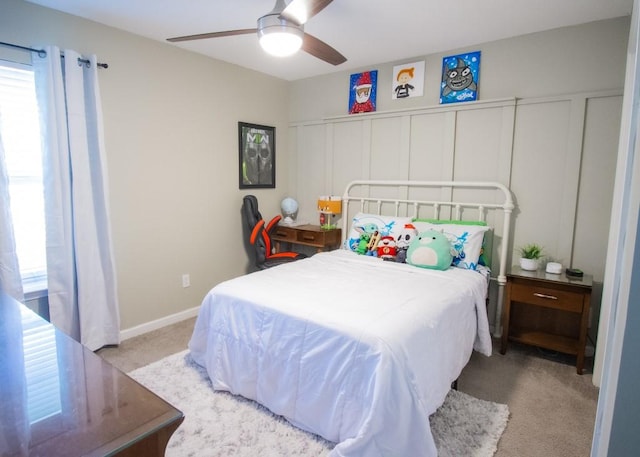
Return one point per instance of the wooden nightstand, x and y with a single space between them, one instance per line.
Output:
548 311
307 235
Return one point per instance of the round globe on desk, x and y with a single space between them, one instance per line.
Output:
289 209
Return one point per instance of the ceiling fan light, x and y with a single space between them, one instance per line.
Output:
279 37
280 44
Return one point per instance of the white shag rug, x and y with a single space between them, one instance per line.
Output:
221 424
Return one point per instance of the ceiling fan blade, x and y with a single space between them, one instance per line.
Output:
300 11
202 36
322 50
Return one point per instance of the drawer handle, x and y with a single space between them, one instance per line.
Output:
281 233
550 297
308 237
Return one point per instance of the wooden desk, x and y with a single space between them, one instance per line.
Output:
307 235
548 311
57 398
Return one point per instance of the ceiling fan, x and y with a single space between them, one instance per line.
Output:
286 23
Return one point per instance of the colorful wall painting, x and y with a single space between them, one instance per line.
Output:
460 76
408 80
362 92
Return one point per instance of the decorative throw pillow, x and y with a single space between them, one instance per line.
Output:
465 239
364 223
430 249
485 251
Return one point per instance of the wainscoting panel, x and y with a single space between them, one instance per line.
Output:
557 155
351 155
477 145
310 159
602 127
387 154
431 146
539 176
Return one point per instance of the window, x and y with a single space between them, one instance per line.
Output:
20 134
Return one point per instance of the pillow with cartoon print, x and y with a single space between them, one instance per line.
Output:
430 249
365 226
465 239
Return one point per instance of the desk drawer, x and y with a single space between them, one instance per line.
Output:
311 237
283 234
547 297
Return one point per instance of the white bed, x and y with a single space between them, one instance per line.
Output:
352 348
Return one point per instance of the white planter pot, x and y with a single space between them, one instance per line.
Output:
529 264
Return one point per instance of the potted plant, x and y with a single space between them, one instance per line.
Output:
530 255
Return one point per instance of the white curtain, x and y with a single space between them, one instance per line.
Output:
10 280
80 269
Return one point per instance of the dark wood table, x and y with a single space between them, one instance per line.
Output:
547 310
307 235
58 398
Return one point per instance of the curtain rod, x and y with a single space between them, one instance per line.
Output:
42 53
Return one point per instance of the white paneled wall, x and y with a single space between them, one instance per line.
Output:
557 155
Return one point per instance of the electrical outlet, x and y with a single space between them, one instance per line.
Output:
186 281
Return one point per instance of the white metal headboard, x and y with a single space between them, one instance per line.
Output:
402 205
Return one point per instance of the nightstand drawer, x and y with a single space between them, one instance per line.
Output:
547 297
284 234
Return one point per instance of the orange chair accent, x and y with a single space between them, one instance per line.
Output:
260 236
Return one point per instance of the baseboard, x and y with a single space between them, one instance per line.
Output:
158 323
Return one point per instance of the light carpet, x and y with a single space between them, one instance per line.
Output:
221 424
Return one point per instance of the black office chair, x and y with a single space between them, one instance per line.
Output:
260 236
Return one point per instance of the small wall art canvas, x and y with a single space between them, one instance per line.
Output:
408 80
460 76
257 156
362 92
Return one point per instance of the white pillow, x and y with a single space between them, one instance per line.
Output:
385 225
465 239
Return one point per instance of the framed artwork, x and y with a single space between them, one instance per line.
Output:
460 76
408 80
257 155
362 92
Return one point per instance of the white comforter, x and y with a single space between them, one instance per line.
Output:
355 349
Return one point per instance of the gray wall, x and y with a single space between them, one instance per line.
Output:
170 119
546 125
585 58
170 122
